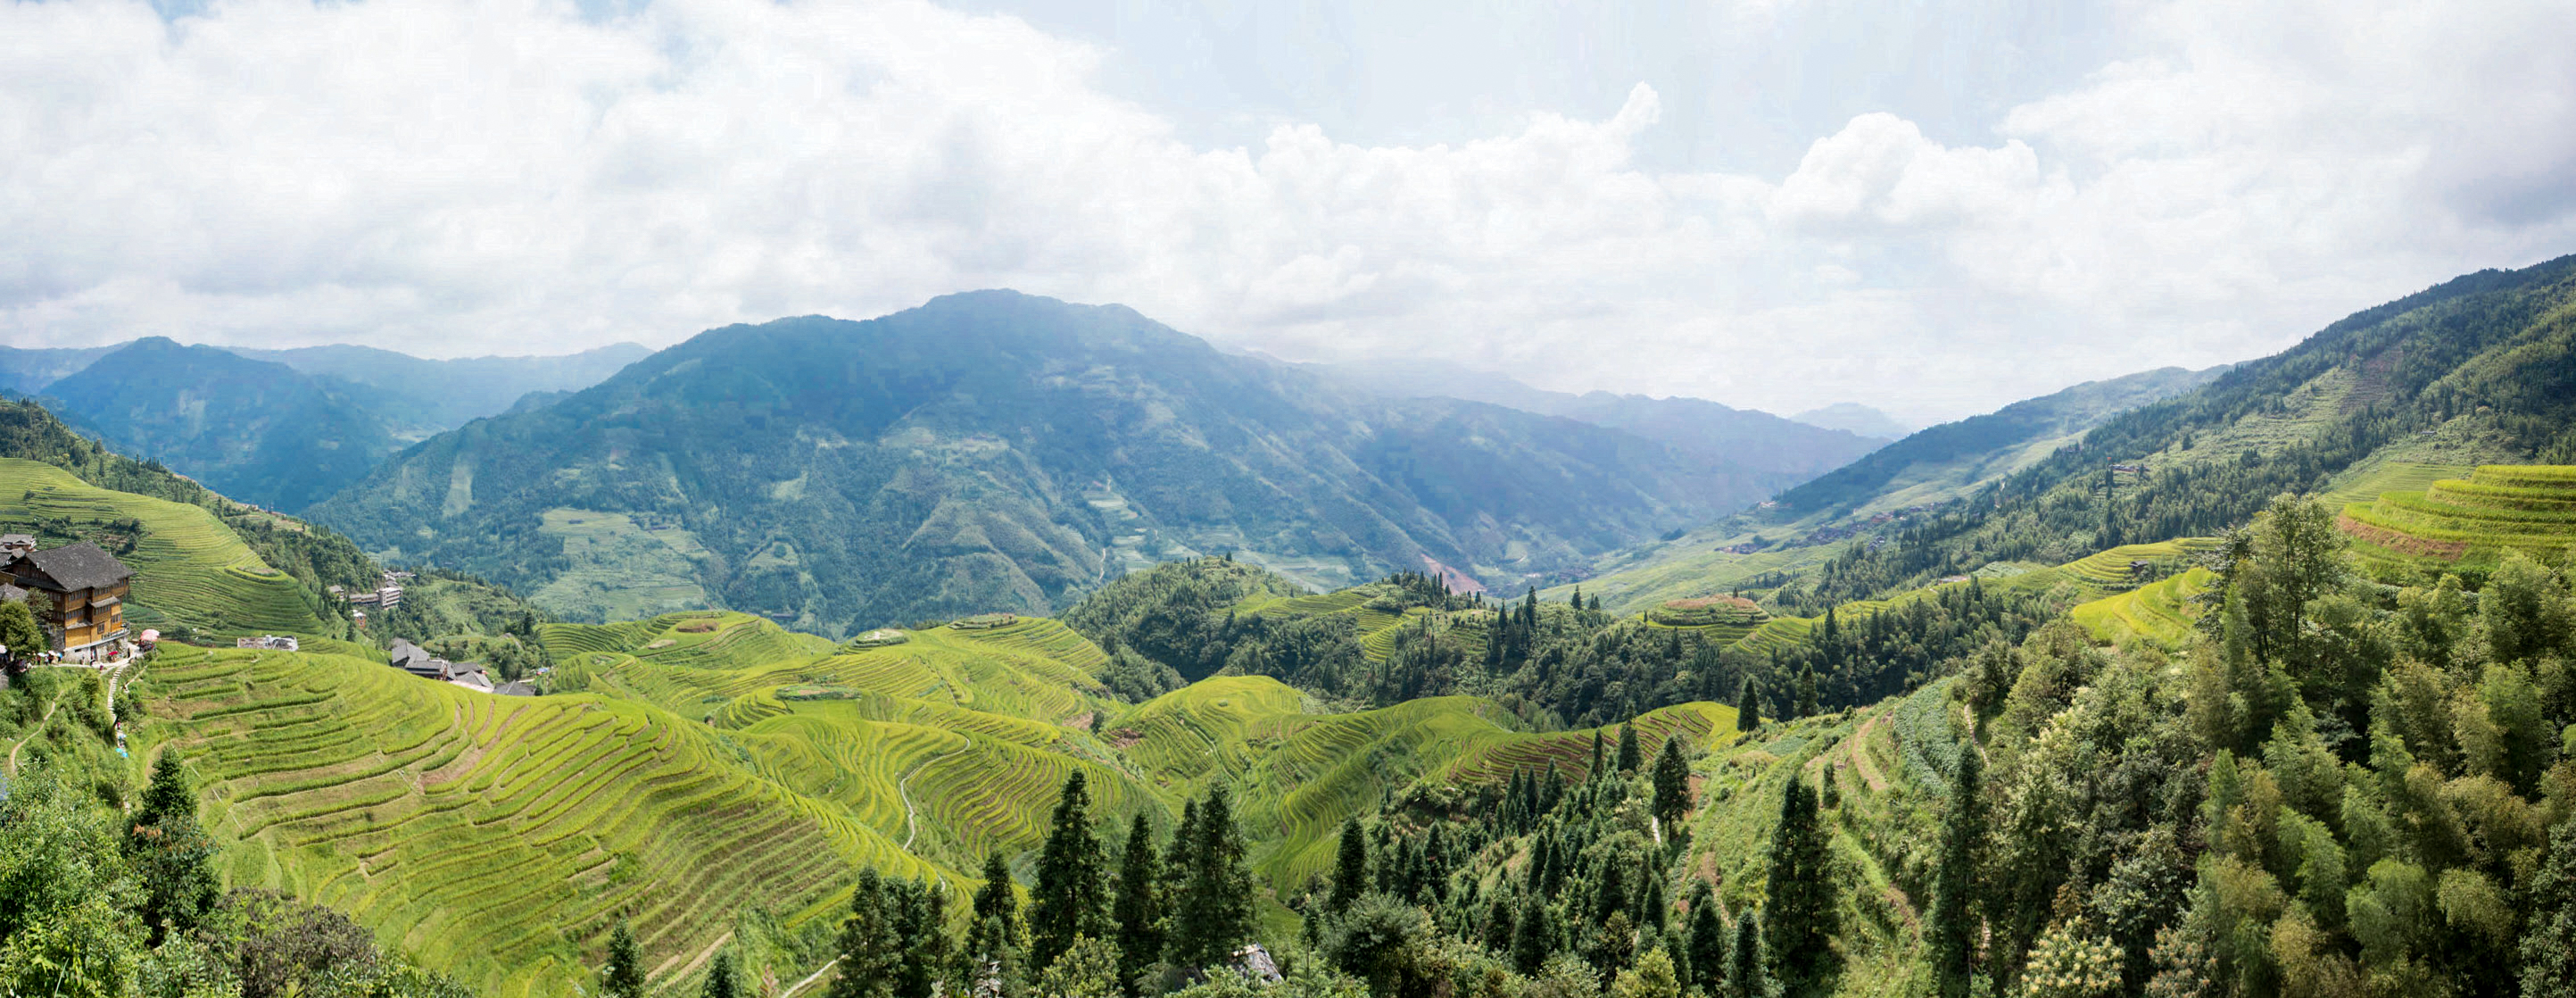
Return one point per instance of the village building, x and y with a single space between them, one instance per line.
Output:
13 545
86 587
269 641
418 661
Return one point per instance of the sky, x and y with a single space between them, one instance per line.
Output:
1933 209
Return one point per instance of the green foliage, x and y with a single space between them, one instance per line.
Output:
623 977
1213 914
1072 896
1801 899
1139 910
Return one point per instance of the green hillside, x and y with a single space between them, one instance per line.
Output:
2470 522
190 569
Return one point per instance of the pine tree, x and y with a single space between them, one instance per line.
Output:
1748 707
170 853
1672 782
1747 974
2549 936
1140 905
1799 914
623 977
1706 946
1807 692
722 980
921 933
1629 756
1350 867
871 953
1595 773
1216 914
1953 934
1534 938
1072 896
995 936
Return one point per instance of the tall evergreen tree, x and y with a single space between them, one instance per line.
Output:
1963 830
1807 706
921 930
995 936
1799 915
1072 897
172 856
1140 905
871 949
623 977
1216 912
1748 975
1630 757
1595 773
1748 707
1534 937
1706 940
1350 867
1672 782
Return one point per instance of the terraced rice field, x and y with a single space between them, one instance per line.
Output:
495 838
2108 571
189 567
2160 612
2471 521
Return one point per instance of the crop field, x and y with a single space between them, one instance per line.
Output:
495 838
2108 571
189 567
2473 521
2159 612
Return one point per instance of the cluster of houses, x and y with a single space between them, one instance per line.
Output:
84 589
414 659
387 595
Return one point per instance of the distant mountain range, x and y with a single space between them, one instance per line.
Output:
996 451
1857 418
1749 439
282 428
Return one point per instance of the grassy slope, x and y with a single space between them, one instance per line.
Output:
2471 521
497 838
189 567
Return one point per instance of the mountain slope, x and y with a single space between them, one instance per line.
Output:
1763 447
261 432
27 370
425 396
1857 418
997 451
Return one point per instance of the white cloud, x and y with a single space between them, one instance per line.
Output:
464 176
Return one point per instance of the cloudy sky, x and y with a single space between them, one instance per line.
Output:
1930 208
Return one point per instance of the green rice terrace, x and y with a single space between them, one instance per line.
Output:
189 567
696 764
2469 522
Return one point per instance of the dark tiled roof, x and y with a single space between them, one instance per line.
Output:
10 593
403 653
80 566
515 688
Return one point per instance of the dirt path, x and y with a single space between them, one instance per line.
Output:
39 727
809 979
1860 755
691 967
903 789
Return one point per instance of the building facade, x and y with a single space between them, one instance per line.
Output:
86 589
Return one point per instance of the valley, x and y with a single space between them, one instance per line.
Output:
2254 675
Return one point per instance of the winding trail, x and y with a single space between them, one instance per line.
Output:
809 979
903 789
33 731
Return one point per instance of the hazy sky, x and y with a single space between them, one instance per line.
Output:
1930 208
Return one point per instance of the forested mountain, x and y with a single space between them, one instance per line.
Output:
1938 462
419 396
260 431
1756 445
1857 418
25 370
995 451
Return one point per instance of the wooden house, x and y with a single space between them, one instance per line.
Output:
86 587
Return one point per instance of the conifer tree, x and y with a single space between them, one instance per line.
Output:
1630 757
1350 867
1706 941
921 931
1534 937
1748 975
1672 782
871 952
623 977
1216 912
1180 858
170 853
1798 914
1072 896
994 937
1140 905
1499 922
1748 707
1595 772
722 980
1807 706
1953 935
